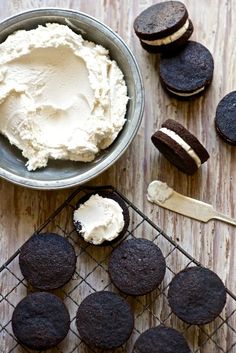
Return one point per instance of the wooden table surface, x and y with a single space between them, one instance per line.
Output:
213 244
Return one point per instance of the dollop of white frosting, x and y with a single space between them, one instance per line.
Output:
61 97
101 219
158 191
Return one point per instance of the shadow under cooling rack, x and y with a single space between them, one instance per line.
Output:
91 275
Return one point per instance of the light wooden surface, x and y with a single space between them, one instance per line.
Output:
213 244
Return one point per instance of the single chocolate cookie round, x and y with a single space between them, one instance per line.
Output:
225 120
95 227
137 266
163 27
161 339
180 146
47 261
104 320
40 321
197 295
188 72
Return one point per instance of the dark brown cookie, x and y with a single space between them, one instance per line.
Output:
188 137
104 320
110 195
163 27
225 120
47 261
161 339
197 295
180 147
171 47
40 321
137 266
187 72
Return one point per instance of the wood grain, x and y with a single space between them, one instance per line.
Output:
213 244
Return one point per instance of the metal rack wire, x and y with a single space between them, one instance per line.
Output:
92 275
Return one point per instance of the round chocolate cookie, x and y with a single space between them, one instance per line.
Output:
47 261
98 227
104 320
225 120
197 295
163 27
188 72
137 266
161 339
180 147
40 321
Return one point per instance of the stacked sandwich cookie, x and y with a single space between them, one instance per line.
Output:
163 27
186 67
180 147
225 119
188 72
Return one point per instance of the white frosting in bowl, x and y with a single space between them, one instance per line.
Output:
101 219
61 97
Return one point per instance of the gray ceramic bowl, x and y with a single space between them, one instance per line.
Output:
62 174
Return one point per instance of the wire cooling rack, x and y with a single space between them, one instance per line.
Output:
91 275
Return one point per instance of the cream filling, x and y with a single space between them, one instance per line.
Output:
183 144
186 94
61 97
101 219
158 191
169 39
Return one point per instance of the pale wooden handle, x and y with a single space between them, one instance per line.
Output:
224 218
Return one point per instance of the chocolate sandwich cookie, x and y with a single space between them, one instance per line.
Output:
180 147
197 295
163 27
104 320
47 261
101 217
137 266
161 339
40 321
188 72
225 120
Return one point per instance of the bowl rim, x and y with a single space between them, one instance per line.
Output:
118 152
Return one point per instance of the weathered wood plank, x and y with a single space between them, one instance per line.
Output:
213 244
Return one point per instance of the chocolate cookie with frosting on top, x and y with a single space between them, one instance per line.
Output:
225 119
101 217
